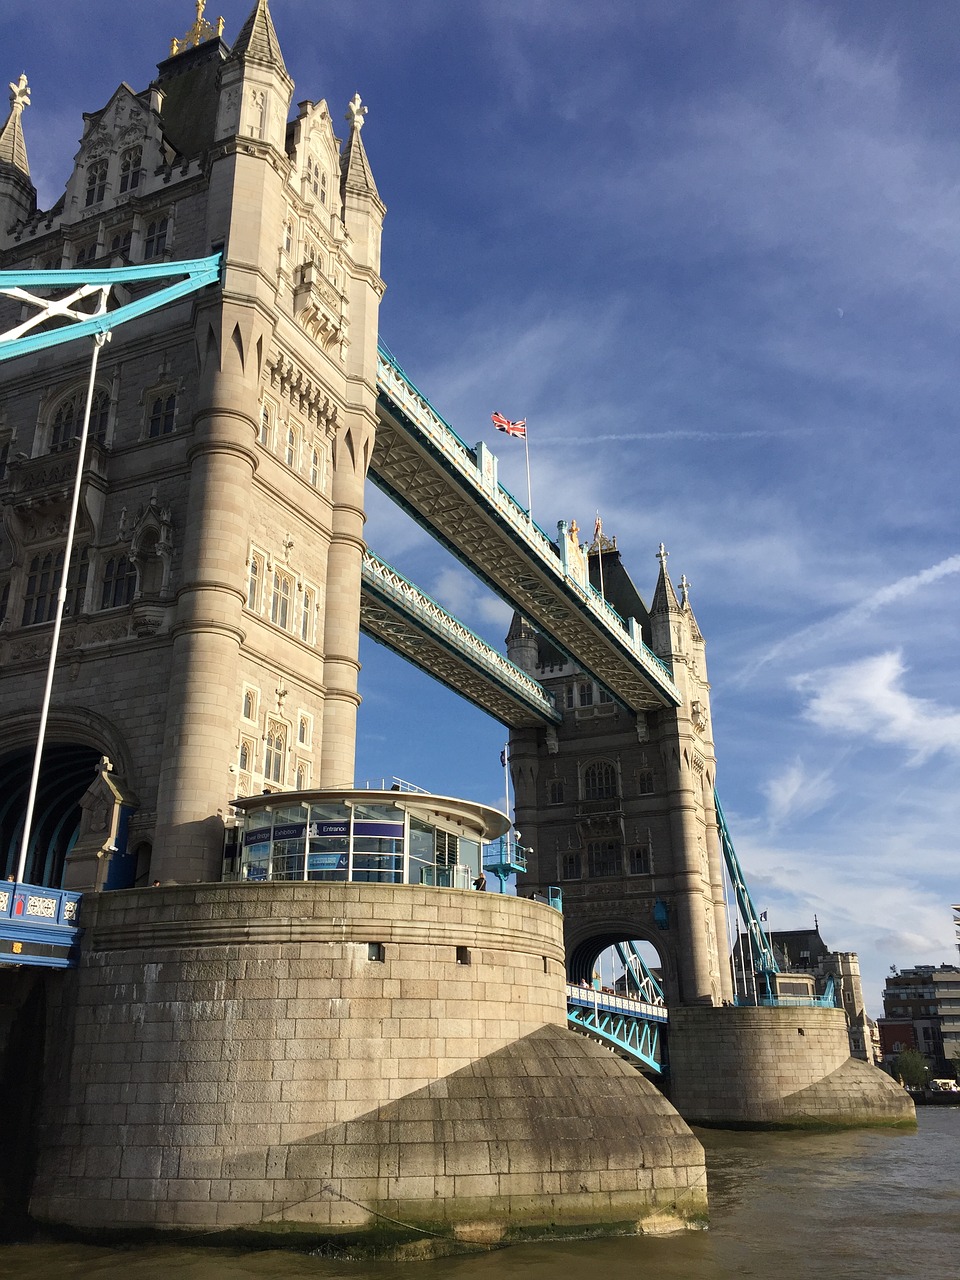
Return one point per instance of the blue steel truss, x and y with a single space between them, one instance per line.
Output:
638 979
764 961
632 1027
196 273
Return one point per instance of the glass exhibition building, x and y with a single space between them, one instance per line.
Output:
387 837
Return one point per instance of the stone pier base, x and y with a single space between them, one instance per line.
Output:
343 1059
787 1068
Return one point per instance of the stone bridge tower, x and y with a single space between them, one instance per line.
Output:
210 646
617 807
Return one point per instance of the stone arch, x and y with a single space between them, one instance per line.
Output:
587 940
76 740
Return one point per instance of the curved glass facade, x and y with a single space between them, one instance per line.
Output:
355 839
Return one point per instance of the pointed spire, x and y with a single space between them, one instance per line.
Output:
664 597
13 149
257 41
355 172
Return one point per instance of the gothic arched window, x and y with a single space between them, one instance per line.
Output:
130 171
280 600
43 583
163 411
68 420
155 240
274 752
96 182
600 781
119 582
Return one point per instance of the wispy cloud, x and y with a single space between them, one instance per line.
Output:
830 628
866 700
795 792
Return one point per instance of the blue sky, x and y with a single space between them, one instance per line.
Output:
710 251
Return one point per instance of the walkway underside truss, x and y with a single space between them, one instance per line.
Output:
398 615
421 463
634 1032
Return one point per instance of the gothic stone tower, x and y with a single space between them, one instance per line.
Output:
617 807
210 644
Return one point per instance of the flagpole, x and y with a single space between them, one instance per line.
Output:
98 342
526 450
598 532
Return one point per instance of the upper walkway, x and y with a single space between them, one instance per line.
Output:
399 615
453 491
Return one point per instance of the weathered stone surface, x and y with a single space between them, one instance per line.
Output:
365 1087
792 1067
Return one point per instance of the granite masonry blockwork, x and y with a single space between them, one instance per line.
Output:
260 1056
779 1067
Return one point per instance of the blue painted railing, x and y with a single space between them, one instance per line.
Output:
38 926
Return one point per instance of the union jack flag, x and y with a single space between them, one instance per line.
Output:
511 428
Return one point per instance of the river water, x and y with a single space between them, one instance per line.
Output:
869 1205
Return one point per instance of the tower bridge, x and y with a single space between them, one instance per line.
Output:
339 978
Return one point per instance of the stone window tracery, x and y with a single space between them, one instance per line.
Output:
163 410
600 781
274 751
155 240
604 858
570 866
306 615
119 582
255 582
68 420
43 583
290 452
130 171
280 599
267 419
96 182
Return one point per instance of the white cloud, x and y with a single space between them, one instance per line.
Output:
794 793
866 699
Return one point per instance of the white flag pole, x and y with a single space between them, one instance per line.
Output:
598 531
526 450
98 342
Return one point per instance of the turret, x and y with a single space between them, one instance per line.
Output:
18 195
667 619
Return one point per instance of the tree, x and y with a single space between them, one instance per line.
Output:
910 1067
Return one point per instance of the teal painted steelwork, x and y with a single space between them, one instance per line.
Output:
763 959
630 1026
505 858
762 955
199 273
637 976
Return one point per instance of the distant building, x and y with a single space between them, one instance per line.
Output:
804 951
921 1009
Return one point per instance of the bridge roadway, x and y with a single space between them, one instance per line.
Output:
453 491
